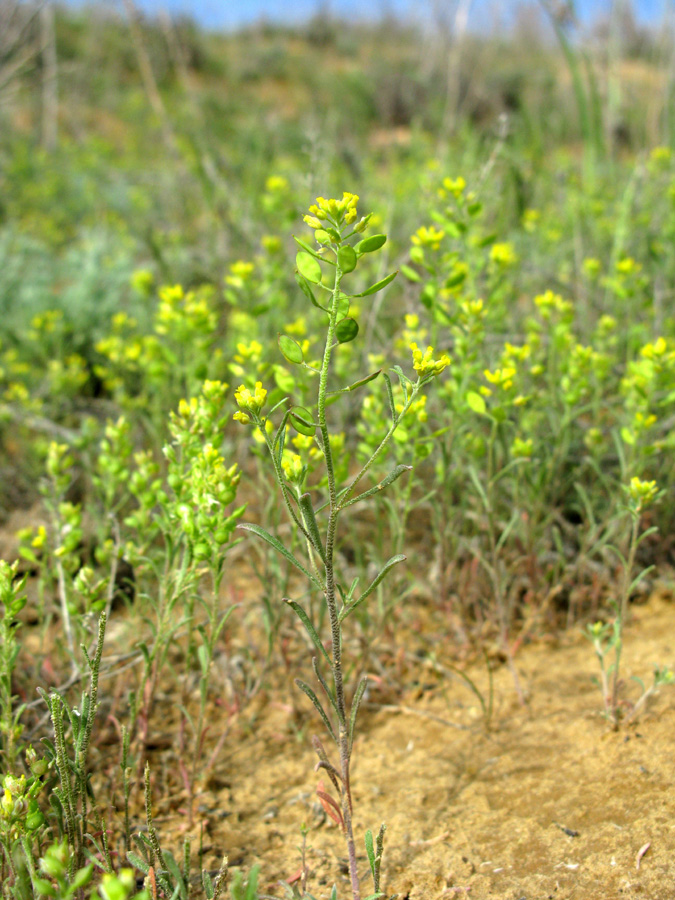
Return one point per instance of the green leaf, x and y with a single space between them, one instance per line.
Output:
346 258
374 288
252 883
346 330
207 885
82 878
411 274
488 239
305 504
386 481
291 350
475 402
279 547
402 377
370 850
308 267
306 689
371 587
370 244
137 862
301 419
309 628
390 397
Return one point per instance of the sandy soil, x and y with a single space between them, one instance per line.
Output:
546 803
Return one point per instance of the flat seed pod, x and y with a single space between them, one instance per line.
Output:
308 267
301 419
342 307
291 349
346 330
347 258
370 244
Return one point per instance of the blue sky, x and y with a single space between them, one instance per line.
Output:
232 13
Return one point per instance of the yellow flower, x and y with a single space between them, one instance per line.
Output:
502 378
428 237
503 255
454 185
240 272
655 350
642 493
40 538
337 210
292 465
425 365
628 266
250 401
276 184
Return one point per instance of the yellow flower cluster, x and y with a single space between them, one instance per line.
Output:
425 365
338 211
500 378
292 465
276 184
549 302
642 493
249 402
180 314
428 237
239 274
453 186
503 254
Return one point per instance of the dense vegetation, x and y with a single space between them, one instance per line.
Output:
152 179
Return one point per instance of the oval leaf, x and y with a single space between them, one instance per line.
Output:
346 330
301 420
374 288
308 267
370 244
346 258
291 349
475 402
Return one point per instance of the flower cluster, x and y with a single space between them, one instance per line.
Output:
249 402
425 365
335 211
641 493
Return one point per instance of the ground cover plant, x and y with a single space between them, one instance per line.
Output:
448 505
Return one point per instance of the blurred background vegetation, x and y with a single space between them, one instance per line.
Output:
133 143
